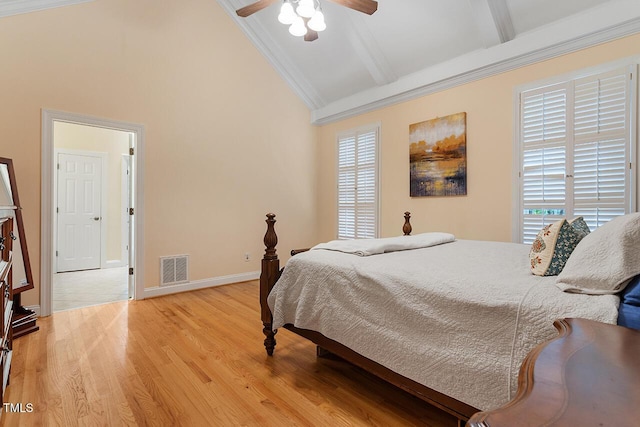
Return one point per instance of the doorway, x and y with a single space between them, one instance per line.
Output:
90 224
90 268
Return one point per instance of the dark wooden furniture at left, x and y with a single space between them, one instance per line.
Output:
588 376
24 319
268 277
6 309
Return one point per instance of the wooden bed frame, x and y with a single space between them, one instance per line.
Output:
271 273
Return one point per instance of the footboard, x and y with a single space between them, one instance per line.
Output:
270 274
268 278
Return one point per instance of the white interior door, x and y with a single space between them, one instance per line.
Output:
79 212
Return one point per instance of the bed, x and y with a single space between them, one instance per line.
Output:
449 321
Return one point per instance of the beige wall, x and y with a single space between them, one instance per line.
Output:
226 138
114 143
485 213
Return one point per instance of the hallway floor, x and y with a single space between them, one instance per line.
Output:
77 289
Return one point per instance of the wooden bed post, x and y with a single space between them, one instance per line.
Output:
406 228
268 277
325 346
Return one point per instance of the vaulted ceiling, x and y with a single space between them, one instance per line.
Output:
409 48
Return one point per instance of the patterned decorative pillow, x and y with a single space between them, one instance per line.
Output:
552 247
580 224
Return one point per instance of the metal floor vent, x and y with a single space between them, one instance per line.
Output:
174 269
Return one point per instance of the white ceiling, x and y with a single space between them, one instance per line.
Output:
409 48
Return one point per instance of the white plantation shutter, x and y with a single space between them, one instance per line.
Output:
601 147
357 184
347 187
544 140
575 140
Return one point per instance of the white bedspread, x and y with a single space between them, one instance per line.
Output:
458 318
367 247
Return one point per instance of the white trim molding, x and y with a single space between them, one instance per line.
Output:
369 52
46 205
16 7
502 20
493 21
193 285
505 51
115 263
524 50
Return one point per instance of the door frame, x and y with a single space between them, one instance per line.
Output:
103 201
47 201
125 167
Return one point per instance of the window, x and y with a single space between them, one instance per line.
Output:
576 139
358 183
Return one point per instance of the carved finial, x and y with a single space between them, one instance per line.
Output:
406 228
270 238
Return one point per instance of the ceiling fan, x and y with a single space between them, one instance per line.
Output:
306 19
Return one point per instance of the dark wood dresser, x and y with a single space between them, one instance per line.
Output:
6 311
23 319
588 376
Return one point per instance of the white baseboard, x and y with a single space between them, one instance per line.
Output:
115 263
193 285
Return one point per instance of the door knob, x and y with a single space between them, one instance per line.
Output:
96 218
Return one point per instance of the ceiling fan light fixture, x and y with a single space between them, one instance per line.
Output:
316 23
298 28
306 8
305 17
287 14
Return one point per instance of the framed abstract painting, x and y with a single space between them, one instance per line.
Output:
438 156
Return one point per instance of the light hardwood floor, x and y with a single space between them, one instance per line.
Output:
192 359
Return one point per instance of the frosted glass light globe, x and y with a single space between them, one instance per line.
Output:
306 8
287 14
298 28
316 23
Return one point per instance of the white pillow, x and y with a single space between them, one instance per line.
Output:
604 260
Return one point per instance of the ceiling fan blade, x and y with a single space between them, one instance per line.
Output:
311 35
254 7
364 6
